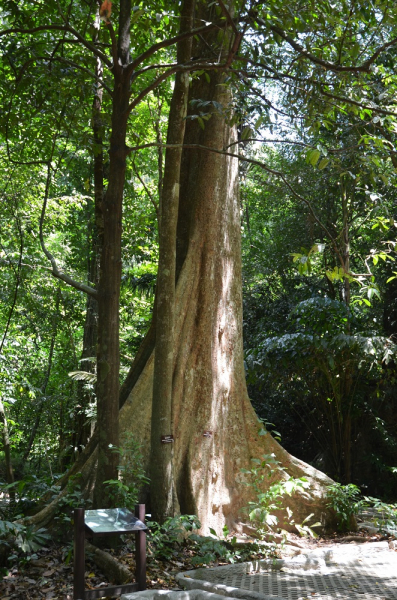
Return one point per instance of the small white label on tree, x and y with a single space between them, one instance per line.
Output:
167 439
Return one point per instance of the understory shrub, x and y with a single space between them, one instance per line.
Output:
348 502
168 540
262 510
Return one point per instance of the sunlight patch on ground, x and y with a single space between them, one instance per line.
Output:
339 572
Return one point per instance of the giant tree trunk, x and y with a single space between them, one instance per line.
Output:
164 502
214 425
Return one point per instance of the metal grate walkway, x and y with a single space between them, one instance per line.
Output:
340 572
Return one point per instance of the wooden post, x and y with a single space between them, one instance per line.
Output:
140 549
79 555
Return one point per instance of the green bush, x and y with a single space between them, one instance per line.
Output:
347 502
168 540
261 511
165 540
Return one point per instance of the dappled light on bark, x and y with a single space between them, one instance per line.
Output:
215 427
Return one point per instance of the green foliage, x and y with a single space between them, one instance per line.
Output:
26 539
347 502
384 515
269 428
164 540
320 340
31 540
305 257
210 549
25 494
124 491
321 365
70 500
261 511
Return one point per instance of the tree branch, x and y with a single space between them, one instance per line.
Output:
238 35
364 68
374 108
82 287
169 42
68 28
113 45
228 18
188 67
280 76
65 61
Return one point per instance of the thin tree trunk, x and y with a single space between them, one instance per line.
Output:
3 419
347 382
7 446
345 242
84 430
108 355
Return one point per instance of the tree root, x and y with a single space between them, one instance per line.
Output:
114 570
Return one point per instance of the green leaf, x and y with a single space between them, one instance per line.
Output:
323 163
384 179
246 133
136 16
313 156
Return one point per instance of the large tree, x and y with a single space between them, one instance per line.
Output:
207 410
214 429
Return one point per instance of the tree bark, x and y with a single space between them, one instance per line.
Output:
164 502
215 427
108 354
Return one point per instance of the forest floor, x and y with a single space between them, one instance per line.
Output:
48 574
